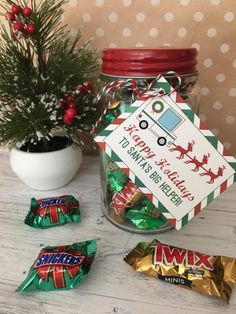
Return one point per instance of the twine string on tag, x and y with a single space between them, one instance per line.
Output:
115 89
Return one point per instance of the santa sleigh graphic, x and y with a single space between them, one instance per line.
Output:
162 120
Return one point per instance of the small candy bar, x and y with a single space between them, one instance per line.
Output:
116 177
53 211
124 199
60 267
211 275
145 216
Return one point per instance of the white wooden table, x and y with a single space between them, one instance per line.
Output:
111 286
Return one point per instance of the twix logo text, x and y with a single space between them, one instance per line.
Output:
175 256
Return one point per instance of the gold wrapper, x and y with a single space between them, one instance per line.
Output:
211 275
124 199
114 104
112 166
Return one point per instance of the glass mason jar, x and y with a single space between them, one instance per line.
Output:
136 213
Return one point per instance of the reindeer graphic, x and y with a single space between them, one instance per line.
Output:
213 175
183 151
198 164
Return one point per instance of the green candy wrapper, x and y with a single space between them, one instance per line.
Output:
145 216
115 109
60 267
115 176
117 180
54 211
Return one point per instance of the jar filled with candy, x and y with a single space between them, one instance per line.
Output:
126 73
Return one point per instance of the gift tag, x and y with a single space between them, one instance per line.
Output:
169 153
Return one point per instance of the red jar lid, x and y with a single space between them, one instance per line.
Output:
145 62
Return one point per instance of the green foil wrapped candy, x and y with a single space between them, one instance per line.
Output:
145 216
117 180
115 176
115 109
60 267
53 211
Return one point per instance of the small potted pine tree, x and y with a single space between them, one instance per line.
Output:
45 87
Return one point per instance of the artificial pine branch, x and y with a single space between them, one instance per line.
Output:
40 75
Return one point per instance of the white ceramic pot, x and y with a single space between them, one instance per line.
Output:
46 171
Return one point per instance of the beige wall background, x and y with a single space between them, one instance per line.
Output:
208 25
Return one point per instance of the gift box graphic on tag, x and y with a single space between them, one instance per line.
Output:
169 154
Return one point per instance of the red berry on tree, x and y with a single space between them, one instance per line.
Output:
81 89
27 11
30 29
16 9
62 104
88 86
10 16
18 26
85 87
72 104
66 119
69 98
71 113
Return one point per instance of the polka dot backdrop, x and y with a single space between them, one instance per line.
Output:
207 25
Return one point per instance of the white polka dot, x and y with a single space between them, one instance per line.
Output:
155 2
215 2
140 17
208 62
215 131
196 45
169 16
234 63
184 2
229 16
153 32
227 145
73 3
230 119
127 3
220 77
99 3
74 31
198 16
217 105
113 17
211 32
112 45
224 48
203 117
100 32
126 32
86 17
182 32
139 45
205 91
232 92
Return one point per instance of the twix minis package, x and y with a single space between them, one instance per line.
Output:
211 275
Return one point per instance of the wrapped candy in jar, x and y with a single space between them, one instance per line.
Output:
122 201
